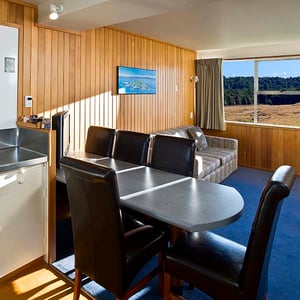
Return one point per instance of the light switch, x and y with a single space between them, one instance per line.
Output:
28 101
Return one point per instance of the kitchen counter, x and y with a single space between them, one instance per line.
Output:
18 157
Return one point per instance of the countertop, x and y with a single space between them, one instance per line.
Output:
18 157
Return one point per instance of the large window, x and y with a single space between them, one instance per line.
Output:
262 91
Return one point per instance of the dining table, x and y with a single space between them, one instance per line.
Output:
185 203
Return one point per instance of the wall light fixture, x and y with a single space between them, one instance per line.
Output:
55 11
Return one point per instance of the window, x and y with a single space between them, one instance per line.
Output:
262 91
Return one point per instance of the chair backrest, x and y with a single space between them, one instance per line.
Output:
254 273
131 146
96 221
100 140
173 154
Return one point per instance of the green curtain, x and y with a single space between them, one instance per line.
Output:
209 94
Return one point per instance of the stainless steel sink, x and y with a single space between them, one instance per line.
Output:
18 157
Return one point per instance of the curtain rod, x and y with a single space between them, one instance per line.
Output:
265 57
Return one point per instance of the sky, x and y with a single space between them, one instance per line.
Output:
272 68
133 72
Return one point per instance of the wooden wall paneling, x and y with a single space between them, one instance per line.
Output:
161 113
277 144
178 88
152 98
20 74
251 146
115 62
41 69
47 74
75 116
289 149
105 80
171 103
81 126
239 131
267 152
186 90
4 11
34 70
66 71
11 13
19 14
72 64
109 73
87 81
136 116
75 106
54 73
60 71
101 52
264 147
122 51
130 99
97 78
27 45
93 77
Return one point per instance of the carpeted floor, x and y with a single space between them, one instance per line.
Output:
284 271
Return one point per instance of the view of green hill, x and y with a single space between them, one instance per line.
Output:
239 90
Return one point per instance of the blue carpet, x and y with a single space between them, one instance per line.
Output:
284 271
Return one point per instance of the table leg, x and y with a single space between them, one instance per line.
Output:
176 283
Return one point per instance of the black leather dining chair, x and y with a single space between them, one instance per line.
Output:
131 146
224 269
173 154
109 248
100 140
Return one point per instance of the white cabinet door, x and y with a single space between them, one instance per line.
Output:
23 199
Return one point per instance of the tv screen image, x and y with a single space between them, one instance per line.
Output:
136 81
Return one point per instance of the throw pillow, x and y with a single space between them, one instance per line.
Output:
197 134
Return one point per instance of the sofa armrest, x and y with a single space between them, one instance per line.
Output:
222 142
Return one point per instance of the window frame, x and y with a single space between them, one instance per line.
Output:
256 90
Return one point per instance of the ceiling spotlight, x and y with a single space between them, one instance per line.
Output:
55 11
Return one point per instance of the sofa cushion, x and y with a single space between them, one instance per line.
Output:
198 135
206 165
224 155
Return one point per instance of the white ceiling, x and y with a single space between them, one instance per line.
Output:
193 24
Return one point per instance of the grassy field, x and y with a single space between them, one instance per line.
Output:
288 115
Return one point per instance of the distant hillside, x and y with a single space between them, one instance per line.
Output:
239 90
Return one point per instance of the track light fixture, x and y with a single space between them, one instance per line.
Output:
55 11
194 78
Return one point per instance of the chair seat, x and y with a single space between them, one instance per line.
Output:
203 259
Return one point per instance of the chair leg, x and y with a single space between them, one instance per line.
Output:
167 294
167 286
77 284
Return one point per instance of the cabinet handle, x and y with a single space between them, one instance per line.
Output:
4 180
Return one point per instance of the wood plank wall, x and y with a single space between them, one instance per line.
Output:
264 147
77 71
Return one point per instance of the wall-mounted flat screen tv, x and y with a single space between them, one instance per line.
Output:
136 81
